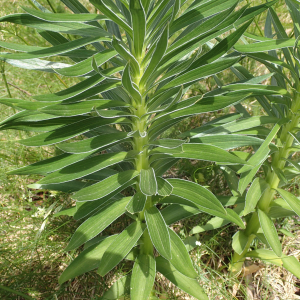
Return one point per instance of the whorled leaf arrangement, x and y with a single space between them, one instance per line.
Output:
265 201
136 60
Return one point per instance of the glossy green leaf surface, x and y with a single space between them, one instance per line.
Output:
158 231
148 183
106 186
180 258
196 194
188 285
143 276
270 232
97 223
136 203
85 167
290 199
120 247
55 50
254 193
87 260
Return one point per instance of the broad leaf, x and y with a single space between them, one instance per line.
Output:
188 285
87 260
120 247
97 223
270 232
143 276
158 231
106 186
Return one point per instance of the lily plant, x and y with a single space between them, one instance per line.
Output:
260 194
135 61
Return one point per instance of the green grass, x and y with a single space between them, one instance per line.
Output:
32 241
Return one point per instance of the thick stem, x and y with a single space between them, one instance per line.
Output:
278 162
140 144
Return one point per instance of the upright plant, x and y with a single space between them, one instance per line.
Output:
136 60
258 192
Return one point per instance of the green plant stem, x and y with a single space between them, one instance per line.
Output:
278 162
140 143
50 4
5 80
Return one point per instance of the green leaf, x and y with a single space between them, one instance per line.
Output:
264 149
158 231
176 212
180 258
290 199
69 131
201 72
206 104
85 167
138 25
232 180
87 260
201 11
143 276
286 232
106 186
80 108
89 208
37 64
158 54
292 264
239 242
107 8
73 91
264 57
164 188
137 203
235 126
66 187
265 255
49 165
129 86
257 89
109 114
55 50
99 142
201 152
120 288
97 223
228 141
279 209
221 48
126 54
266 46
256 160
85 66
83 90
188 285
167 143
74 28
229 215
120 247
64 17
257 188
200 29
270 232
196 194
218 222
147 182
